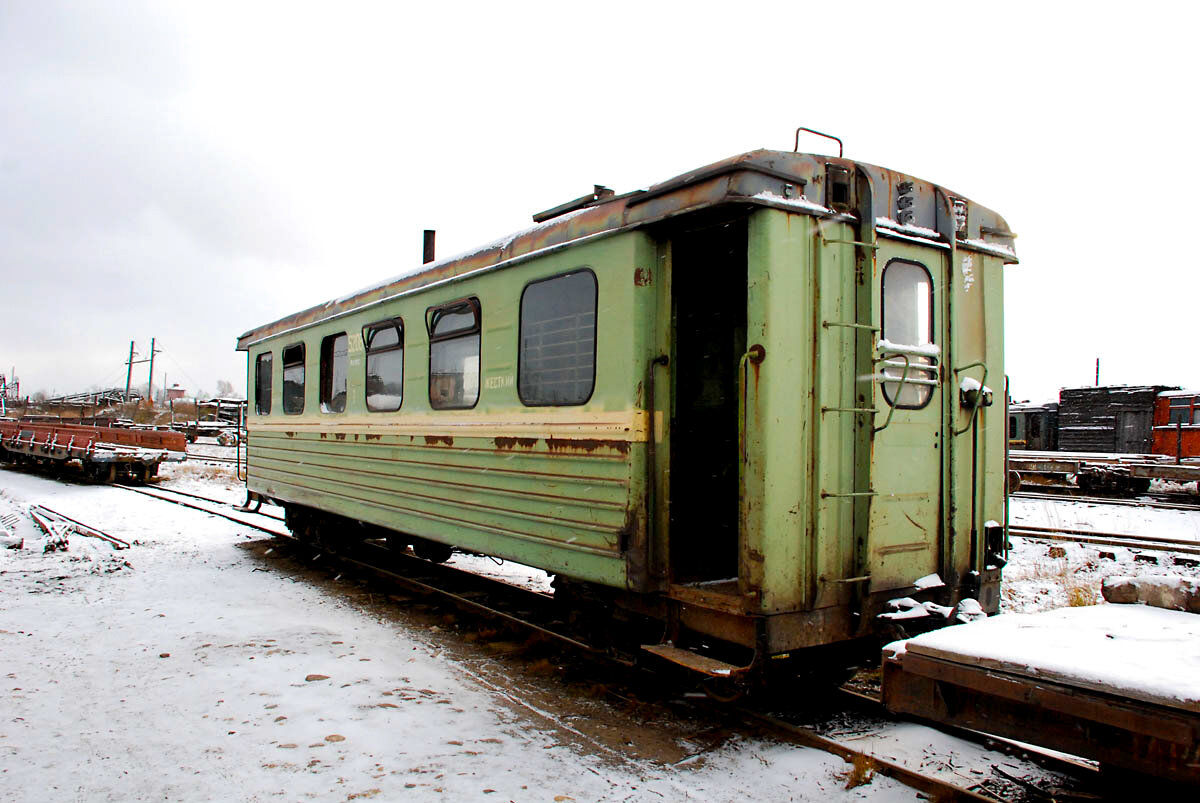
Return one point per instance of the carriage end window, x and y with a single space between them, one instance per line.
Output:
262 384
454 331
557 361
293 379
385 365
908 353
334 360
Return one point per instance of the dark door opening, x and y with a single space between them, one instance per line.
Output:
708 310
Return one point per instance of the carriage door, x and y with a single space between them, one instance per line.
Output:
1133 431
708 338
909 449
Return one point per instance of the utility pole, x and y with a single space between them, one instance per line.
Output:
129 372
1097 372
150 381
132 362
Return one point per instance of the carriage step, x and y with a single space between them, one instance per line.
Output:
695 661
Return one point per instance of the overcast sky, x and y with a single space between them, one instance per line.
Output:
190 171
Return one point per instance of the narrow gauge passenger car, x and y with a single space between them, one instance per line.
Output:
748 404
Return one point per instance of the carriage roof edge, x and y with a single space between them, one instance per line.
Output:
811 184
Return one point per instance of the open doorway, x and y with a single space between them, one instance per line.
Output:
708 311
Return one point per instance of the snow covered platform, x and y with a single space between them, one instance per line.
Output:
1116 683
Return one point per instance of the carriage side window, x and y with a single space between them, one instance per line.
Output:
454 331
262 384
293 379
1179 410
908 335
334 359
557 360
385 365
1183 410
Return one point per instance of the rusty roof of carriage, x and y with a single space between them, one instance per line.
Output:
899 204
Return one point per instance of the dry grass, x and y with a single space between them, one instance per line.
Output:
1080 594
861 772
200 471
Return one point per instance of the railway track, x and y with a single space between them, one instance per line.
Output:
1157 501
1095 538
205 458
213 508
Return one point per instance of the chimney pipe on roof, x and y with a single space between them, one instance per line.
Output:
430 234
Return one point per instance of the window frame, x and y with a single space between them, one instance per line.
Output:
259 407
933 365
284 365
595 335
396 323
327 373
431 319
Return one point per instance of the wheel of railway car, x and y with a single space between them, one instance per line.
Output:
1014 481
1139 485
397 542
102 472
432 551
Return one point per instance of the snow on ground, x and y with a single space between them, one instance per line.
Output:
196 666
1044 574
1131 519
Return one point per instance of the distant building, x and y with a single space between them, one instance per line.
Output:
175 392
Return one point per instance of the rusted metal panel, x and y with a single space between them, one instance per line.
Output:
565 508
71 440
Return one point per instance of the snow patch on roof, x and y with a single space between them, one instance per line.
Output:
798 203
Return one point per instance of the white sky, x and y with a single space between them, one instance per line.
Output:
190 171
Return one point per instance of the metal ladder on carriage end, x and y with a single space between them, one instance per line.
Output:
863 409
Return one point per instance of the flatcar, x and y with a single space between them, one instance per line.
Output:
746 408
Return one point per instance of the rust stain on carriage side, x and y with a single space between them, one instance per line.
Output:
642 277
289 433
341 436
372 437
511 443
588 445
434 440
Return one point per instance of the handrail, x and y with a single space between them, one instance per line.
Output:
899 388
241 470
755 355
841 148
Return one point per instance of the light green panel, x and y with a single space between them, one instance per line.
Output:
561 510
833 460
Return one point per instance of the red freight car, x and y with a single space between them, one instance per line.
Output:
104 452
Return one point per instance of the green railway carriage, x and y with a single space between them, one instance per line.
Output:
749 402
